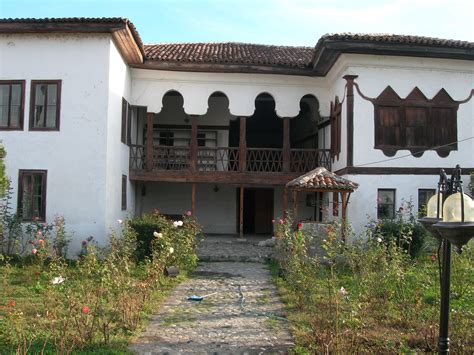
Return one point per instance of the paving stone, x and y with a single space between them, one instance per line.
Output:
243 314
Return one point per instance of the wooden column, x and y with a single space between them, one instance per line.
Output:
149 140
344 215
286 145
350 118
193 199
285 201
243 145
194 143
241 213
295 206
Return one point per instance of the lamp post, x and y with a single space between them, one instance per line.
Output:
450 219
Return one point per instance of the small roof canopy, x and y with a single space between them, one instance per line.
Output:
320 179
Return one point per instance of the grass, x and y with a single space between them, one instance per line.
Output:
387 318
25 288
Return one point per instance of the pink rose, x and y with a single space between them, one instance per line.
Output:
280 221
85 310
34 251
189 213
41 241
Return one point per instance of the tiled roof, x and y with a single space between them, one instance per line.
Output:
322 179
231 53
391 38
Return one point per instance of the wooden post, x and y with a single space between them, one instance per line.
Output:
149 140
295 206
350 118
193 199
241 213
285 201
286 145
194 143
243 145
344 215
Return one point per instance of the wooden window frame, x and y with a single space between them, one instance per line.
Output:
123 129
419 206
335 122
21 174
34 84
124 193
22 104
394 202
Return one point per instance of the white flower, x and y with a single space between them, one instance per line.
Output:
180 223
157 235
119 221
379 240
58 280
177 224
342 292
171 250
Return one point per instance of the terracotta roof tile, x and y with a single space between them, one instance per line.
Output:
321 178
231 53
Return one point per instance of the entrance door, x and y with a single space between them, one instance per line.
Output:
258 210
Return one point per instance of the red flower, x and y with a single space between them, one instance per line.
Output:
34 251
11 303
433 258
280 221
41 241
85 310
299 226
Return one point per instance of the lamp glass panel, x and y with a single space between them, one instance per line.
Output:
452 208
433 205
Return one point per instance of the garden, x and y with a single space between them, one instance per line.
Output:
378 294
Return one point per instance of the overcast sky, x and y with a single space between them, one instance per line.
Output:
284 22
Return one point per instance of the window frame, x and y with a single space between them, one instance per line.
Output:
394 202
21 174
34 84
124 193
22 103
419 206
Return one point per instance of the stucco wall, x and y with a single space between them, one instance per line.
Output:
75 156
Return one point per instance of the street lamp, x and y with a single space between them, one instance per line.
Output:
450 219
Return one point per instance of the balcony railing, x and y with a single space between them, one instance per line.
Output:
256 160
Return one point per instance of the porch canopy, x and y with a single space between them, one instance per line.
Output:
322 180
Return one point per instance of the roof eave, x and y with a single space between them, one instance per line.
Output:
124 36
328 51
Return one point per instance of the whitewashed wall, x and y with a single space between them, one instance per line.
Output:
75 157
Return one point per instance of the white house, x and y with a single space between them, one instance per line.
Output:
98 126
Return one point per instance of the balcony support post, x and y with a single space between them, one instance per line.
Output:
286 145
241 212
243 145
149 140
194 143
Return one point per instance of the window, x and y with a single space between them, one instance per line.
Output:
386 203
423 196
126 130
124 192
12 95
167 138
415 123
32 195
45 105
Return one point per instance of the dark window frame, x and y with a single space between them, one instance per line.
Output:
21 175
393 206
34 84
123 129
432 191
22 104
124 193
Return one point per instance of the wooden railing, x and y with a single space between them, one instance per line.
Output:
256 160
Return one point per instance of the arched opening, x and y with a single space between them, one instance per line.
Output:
304 127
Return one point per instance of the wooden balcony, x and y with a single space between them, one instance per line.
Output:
232 165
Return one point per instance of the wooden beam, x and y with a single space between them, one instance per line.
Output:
193 199
286 145
241 213
350 118
243 145
285 201
194 143
344 216
376 170
149 140
214 177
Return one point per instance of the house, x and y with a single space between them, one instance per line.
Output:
99 126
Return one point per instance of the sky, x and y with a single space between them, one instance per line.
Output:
281 22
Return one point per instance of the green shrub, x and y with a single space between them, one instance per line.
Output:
145 226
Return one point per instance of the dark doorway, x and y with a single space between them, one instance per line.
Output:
258 210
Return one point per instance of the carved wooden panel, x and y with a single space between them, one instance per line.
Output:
415 123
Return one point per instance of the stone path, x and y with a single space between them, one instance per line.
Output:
242 314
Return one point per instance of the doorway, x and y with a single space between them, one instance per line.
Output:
258 210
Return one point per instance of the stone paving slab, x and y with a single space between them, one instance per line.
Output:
233 249
243 315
